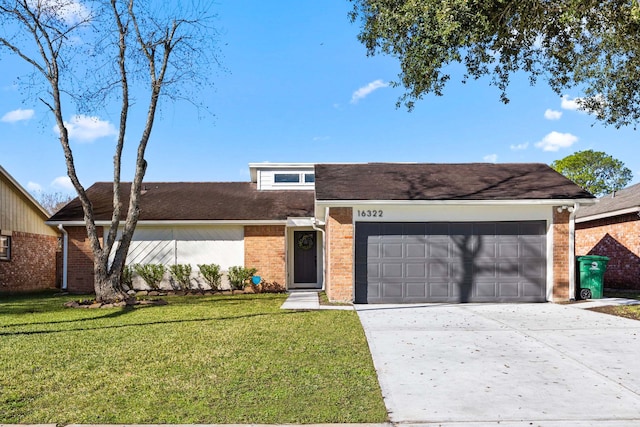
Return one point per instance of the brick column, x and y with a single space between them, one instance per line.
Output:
560 255
339 230
264 249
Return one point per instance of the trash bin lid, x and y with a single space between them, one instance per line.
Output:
589 258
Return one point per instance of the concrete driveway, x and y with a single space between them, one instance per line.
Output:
512 364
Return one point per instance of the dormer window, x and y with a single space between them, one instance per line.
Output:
286 178
309 178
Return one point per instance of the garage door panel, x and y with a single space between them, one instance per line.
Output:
438 269
416 250
416 290
439 249
452 262
509 289
484 269
532 249
392 271
439 290
392 290
391 250
487 249
416 270
486 289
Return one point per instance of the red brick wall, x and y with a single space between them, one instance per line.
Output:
264 249
561 255
80 261
617 238
33 263
339 229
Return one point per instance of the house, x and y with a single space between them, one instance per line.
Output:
369 233
27 245
612 228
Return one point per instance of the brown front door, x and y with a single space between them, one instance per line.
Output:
305 254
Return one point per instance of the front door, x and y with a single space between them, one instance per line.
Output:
305 255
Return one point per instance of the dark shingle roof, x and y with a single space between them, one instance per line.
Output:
196 201
620 200
435 181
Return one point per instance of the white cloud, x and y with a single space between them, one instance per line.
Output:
517 147
87 129
556 140
34 187
17 115
364 91
491 158
62 183
570 104
71 12
550 114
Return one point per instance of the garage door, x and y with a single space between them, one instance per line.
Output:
451 262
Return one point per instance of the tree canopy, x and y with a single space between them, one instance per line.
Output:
595 171
592 46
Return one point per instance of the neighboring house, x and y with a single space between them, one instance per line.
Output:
385 232
27 245
612 228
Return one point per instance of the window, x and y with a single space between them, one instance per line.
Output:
286 178
5 248
309 178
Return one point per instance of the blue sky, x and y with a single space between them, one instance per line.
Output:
297 86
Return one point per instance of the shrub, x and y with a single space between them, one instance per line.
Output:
151 273
181 274
271 287
239 276
127 277
265 287
211 274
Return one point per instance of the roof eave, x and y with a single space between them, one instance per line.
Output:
547 202
602 215
178 222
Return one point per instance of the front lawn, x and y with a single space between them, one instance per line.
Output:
213 359
630 311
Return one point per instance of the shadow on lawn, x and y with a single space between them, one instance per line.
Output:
124 311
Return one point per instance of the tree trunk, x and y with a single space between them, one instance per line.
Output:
108 288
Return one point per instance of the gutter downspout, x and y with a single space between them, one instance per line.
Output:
572 251
65 250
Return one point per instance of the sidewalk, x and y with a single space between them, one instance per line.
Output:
308 300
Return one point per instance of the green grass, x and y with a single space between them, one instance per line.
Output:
216 359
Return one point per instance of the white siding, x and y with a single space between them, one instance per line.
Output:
222 245
266 179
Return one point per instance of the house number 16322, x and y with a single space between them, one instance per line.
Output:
370 213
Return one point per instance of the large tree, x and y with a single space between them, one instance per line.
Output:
89 54
595 171
592 46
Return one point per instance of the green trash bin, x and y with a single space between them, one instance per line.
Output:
592 268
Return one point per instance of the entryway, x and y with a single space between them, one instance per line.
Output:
305 254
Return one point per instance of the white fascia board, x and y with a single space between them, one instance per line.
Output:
184 222
280 165
608 214
548 202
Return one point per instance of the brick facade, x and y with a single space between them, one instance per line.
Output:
618 238
339 280
32 266
265 249
80 262
561 255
